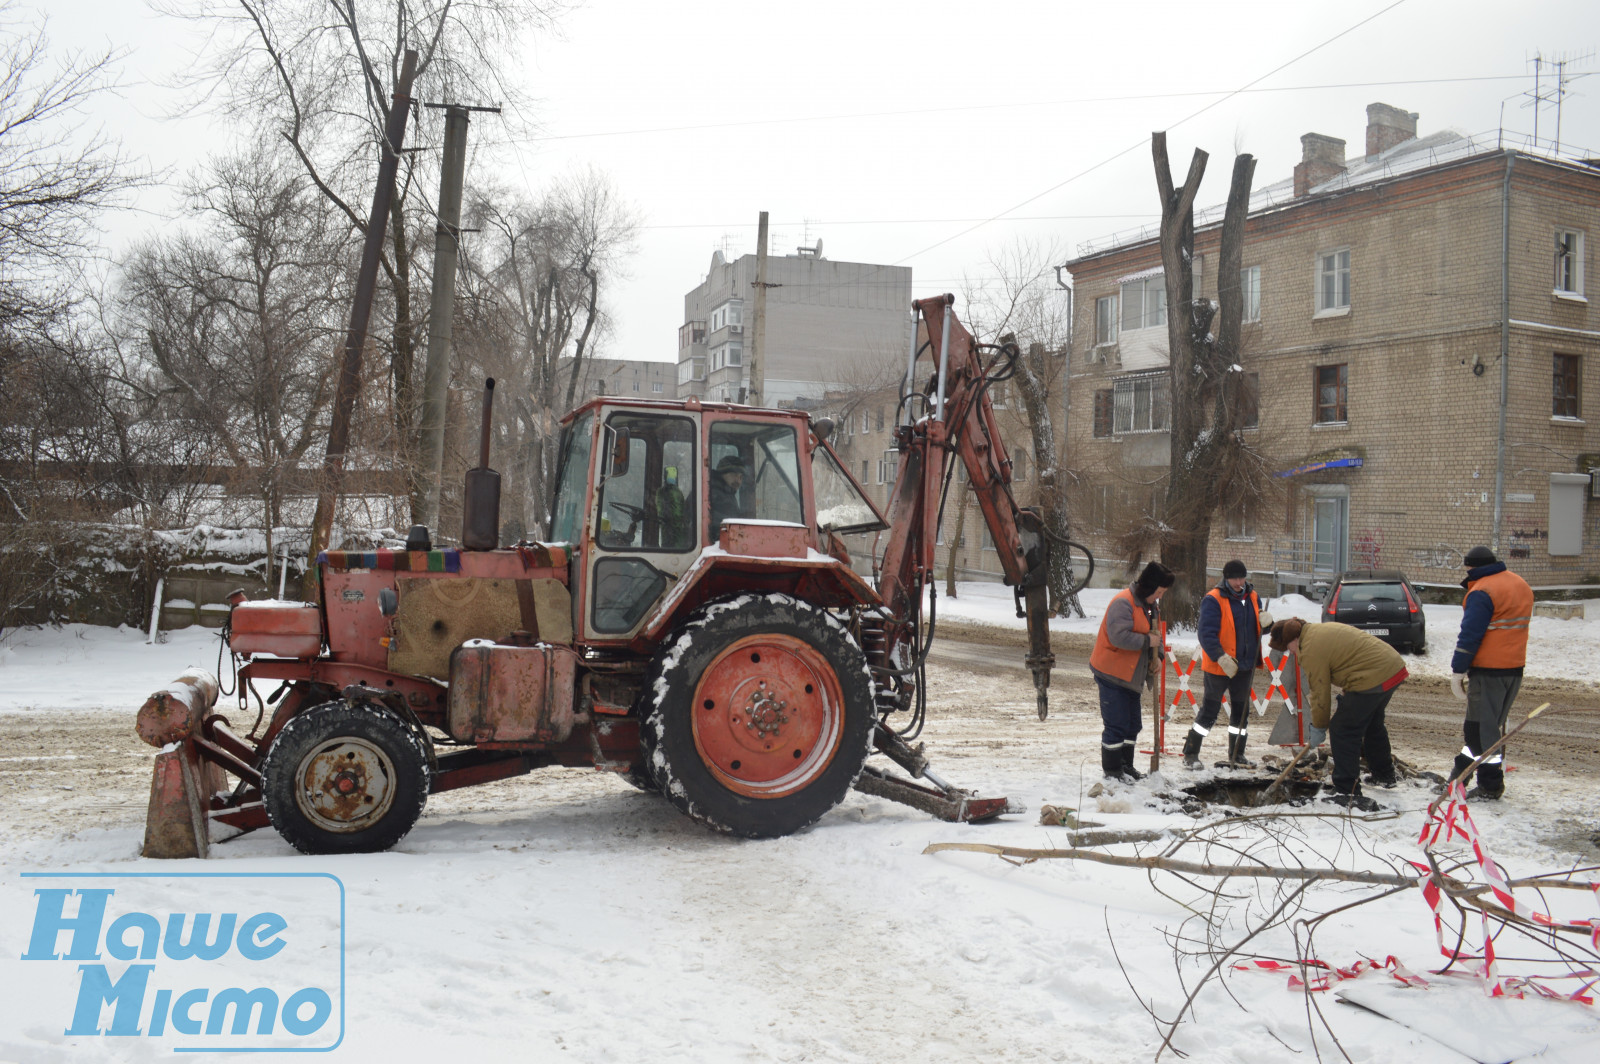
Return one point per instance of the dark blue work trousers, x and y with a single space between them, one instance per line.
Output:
1120 712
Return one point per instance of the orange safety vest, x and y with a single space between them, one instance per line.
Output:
1505 644
1227 636
1113 660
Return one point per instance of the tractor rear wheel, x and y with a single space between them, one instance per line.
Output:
760 713
345 777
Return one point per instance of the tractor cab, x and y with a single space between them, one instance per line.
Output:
655 496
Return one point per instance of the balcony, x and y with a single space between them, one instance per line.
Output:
691 333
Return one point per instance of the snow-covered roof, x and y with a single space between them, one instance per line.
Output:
1410 156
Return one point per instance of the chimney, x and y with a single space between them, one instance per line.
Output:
1388 126
1321 157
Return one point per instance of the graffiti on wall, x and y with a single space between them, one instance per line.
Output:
1438 556
1366 549
1520 544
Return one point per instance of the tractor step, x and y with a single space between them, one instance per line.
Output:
953 804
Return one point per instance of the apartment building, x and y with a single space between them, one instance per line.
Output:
830 325
1423 345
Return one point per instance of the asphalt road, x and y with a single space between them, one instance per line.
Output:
1424 718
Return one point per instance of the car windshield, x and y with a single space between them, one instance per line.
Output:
1362 594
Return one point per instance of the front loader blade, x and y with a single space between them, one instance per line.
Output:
952 804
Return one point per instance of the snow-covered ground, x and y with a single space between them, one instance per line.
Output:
1557 649
566 916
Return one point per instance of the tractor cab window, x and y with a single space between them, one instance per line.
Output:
754 474
646 491
840 505
572 483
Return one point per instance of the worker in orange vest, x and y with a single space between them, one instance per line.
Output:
1126 657
1486 671
1231 623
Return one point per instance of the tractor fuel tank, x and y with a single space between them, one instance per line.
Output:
501 693
282 629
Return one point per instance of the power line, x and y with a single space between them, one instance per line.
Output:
1141 142
1069 102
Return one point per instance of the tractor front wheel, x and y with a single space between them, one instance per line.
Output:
760 713
345 777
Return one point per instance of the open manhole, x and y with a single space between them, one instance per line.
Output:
1245 792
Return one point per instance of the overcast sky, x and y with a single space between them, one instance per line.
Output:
895 131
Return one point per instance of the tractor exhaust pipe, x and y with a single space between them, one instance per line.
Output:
480 504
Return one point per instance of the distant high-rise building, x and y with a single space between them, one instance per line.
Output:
829 324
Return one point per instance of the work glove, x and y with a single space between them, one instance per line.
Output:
1315 736
1266 620
1229 666
1458 687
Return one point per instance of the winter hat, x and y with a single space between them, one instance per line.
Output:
730 464
1234 570
1155 575
1479 556
1285 632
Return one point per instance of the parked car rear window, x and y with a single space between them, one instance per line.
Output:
1362 594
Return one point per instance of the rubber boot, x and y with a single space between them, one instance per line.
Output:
1236 750
1111 762
1491 782
1191 751
1462 761
1127 763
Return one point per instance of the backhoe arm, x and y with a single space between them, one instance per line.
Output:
954 417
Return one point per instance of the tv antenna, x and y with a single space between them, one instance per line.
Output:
1551 87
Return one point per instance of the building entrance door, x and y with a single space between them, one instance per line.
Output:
1329 536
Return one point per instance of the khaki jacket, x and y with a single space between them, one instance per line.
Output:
1332 653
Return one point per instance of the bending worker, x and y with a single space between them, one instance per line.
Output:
1126 655
1367 671
1486 671
1231 623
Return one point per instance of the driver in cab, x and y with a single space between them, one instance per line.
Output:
728 496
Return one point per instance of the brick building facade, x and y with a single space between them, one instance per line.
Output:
1400 306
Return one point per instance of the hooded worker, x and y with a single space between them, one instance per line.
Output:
727 493
1486 670
1231 623
1367 671
1126 655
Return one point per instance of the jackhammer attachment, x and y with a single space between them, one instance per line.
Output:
940 800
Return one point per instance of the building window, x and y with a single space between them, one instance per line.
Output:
1250 402
880 470
891 466
1333 281
655 386
1333 394
866 422
1564 386
1103 405
635 385
691 369
1105 320
1242 520
1569 262
1019 467
880 419
863 471
1144 303
1142 405
997 395
1100 507
1250 284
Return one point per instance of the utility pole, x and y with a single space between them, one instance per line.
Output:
446 251
758 319
344 397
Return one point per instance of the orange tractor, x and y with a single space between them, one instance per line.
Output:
693 623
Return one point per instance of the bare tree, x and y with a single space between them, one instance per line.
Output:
1208 383
534 313
1021 301
316 77
240 317
54 175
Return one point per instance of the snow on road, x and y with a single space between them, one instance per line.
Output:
565 916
